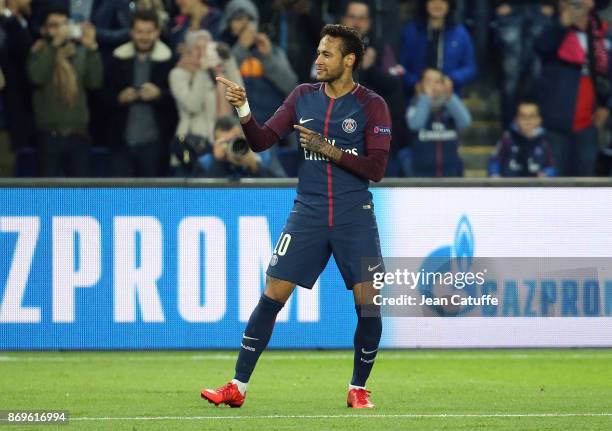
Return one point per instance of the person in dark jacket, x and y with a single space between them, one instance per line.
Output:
268 76
13 58
434 41
139 96
523 150
574 89
381 72
435 116
295 27
519 23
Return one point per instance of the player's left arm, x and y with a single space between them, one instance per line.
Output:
377 142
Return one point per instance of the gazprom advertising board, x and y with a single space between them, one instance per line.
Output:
182 268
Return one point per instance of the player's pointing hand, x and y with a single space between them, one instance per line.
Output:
313 141
234 93
310 139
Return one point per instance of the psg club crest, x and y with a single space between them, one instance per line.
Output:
349 125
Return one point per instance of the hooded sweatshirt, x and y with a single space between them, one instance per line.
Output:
268 79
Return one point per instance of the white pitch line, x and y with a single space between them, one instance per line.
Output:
344 416
391 356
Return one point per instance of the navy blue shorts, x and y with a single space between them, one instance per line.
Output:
303 249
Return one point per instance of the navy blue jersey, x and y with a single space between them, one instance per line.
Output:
356 123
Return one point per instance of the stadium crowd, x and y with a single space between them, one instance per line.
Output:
126 88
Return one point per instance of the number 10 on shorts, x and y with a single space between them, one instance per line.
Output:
283 243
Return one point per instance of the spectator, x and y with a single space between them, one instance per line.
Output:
267 74
574 90
434 41
380 71
159 8
110 17
7 157
144 113
61 69
195 15
519 24
436 115
18 91
232 158
199 98
523 150
295 26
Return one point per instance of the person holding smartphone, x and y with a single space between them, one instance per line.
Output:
139 97
61 69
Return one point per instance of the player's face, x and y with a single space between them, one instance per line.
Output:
329 62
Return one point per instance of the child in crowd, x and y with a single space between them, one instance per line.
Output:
523 150
435 116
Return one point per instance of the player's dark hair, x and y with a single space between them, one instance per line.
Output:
226 123
55 9
351 40
424 16
146 15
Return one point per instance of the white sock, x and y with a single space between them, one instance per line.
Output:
241 386
355 387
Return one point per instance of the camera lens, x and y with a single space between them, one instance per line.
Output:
239 146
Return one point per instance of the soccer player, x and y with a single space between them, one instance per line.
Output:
344 131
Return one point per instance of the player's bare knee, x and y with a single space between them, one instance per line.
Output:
278 290
364 293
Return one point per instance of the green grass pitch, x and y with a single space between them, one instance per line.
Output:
306 390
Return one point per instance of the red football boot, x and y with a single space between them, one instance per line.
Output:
359 399
228 394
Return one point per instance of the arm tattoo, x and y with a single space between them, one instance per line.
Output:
318 144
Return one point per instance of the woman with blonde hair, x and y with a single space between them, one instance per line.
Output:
199 98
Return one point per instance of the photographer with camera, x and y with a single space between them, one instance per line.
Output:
61 67
574 89
138 95
232 158
199 97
